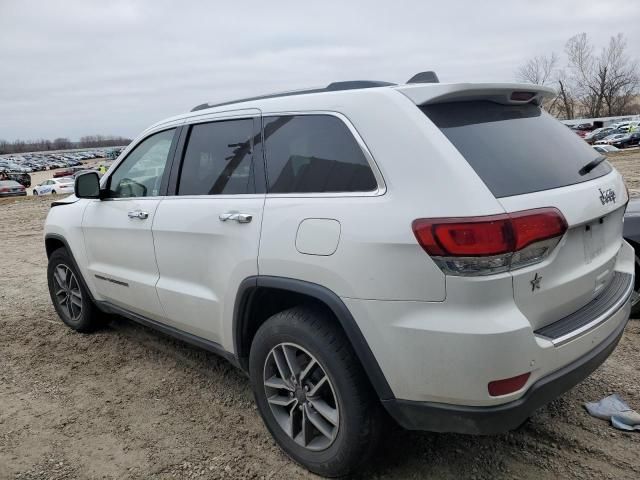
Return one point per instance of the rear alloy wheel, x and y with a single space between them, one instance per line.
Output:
301 396
312 392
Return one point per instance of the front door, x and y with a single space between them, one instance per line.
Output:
117 229
206 234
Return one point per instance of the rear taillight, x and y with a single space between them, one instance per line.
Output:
491 244
4 189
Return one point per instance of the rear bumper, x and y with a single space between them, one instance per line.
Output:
441 417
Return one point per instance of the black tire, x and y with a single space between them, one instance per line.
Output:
360 415
635 296
35 193
53 192
84 317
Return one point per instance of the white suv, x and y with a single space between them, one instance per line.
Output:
447 253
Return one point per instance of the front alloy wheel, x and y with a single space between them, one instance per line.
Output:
301 396
70 298
67 292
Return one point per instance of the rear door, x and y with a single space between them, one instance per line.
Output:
117 230
206 234
529 160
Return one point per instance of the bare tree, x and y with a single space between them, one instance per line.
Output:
539 70
604 83
565 100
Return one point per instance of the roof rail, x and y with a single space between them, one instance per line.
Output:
332 87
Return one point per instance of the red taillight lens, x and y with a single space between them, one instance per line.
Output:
4 189
492 235
536 225
497 236
470 239
508 385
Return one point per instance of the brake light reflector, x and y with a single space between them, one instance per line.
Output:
491 244
508 385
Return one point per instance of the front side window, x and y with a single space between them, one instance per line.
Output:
218 159
314 154
140 174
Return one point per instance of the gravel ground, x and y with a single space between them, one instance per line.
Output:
128 402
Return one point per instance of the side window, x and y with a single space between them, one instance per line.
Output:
312 154
140 174
218 159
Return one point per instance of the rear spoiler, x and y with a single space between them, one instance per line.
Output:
505 93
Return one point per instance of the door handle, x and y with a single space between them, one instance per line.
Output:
138 214
238 217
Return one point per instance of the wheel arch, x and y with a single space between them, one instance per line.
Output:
53 241
253 307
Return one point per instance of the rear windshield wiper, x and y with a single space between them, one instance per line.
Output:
591 165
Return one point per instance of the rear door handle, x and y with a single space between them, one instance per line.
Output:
238 217
138 214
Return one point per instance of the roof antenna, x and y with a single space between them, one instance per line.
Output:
424 77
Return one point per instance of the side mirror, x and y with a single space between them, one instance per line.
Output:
87 185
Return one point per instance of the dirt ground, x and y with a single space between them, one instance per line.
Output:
128 402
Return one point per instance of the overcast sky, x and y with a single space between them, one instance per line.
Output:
76 67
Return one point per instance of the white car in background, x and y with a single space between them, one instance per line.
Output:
605 148
54 186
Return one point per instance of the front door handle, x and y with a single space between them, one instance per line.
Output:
238 217
138 214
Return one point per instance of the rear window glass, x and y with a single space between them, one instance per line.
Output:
515 149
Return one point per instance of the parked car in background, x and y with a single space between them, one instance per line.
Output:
63 173
630 140
23 179
595 136
11 188
583 126
610 139
605 148
55 186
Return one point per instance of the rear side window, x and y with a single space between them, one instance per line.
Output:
314 154
515 149
218 159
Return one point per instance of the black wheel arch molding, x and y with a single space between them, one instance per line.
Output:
242 313
59 238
